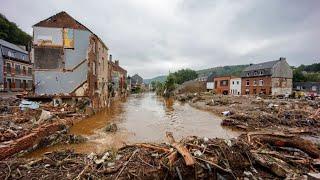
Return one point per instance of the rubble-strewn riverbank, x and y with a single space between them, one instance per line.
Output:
25 127
250 113
265 155
274 145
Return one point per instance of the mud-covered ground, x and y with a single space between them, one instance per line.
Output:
254 113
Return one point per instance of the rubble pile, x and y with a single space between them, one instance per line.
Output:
253 113
255 155
26 124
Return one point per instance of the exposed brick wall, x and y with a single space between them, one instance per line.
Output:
32 138
219 88
256 89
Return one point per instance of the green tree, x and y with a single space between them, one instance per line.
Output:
10 32
184 75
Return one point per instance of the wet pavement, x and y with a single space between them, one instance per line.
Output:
142 118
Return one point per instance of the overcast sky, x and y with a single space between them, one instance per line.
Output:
153 37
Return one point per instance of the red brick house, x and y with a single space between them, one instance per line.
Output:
270 78
222 85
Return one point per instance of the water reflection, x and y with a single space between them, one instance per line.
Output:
143 118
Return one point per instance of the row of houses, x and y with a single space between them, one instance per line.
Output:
269 78
67 59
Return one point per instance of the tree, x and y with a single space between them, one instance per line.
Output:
184 75
10 32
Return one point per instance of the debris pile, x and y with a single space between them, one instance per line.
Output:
24 124
264 155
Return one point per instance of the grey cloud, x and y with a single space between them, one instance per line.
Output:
154 37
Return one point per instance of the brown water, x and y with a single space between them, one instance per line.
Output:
142 118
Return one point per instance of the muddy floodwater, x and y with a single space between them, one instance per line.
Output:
142 118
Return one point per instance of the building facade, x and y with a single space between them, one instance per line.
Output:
15 68
210 82
222 85
309 88
70 59
235 86
270 78
119 76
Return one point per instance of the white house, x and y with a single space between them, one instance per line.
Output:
235 86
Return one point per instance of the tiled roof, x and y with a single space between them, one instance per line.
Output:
12 46
264 65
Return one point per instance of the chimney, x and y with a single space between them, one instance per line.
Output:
282 59
110 58
116 62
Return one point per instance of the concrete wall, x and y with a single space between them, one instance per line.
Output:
48 36
73 74
55 82
281 86
235 86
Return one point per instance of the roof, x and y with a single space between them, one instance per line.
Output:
264 65
61 20
64 20
12 46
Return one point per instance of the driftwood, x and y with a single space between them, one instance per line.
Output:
181 149
295 142
275 165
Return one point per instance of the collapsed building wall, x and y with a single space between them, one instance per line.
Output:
57 69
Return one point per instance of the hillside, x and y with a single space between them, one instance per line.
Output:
158 78
234 70
10 32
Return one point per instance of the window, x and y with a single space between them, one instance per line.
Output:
260 82
255 82
29 71
18 83
23 57
255 73
8 67
233 82
298 88
238 82
261 72
29 85
314 88
224 83
10 54
24 84
247 83
24 70
18 70
248 74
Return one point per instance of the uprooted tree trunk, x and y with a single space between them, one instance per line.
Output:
181 149
294 142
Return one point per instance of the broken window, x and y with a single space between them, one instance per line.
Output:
48 58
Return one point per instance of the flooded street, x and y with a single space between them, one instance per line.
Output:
143 118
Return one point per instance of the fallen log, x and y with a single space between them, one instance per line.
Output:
295 142
275 165
181 149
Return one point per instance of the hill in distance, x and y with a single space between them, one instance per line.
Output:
234 70
10 32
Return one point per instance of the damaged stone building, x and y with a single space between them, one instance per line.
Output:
270 78
70 60
15 68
